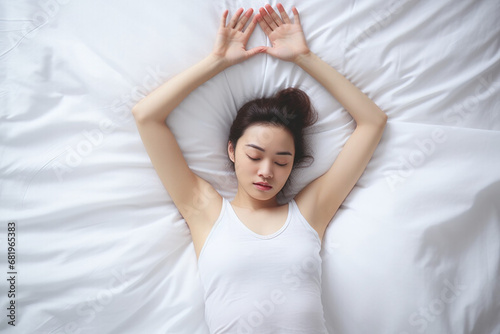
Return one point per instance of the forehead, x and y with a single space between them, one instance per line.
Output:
269 136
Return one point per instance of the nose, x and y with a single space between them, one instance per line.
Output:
266 169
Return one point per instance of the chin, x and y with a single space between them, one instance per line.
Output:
264 196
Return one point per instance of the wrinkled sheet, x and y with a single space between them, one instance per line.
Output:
100 247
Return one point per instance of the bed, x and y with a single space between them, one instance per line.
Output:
96 244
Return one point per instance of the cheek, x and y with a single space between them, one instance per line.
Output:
285 173
243 165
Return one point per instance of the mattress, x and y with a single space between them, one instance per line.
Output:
91 241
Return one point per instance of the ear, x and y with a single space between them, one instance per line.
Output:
230 151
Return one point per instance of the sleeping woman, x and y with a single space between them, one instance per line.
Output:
259 262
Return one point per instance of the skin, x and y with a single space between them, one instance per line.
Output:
268 167
197 201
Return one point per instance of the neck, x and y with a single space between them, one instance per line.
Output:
243 200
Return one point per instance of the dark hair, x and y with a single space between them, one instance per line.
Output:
290 108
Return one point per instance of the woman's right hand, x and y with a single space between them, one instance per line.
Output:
230 45
287 38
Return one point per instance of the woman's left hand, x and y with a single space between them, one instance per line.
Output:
230 45
287 38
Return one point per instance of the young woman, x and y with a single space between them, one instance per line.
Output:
260 266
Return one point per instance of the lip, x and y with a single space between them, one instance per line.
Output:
263 186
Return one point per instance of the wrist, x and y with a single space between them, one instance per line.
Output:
218 62
304 58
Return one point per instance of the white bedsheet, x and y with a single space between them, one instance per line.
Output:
100 247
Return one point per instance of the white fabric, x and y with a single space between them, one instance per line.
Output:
262 283
415 248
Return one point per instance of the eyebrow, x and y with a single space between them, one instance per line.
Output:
261 149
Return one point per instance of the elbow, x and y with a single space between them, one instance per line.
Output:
378 119
383 119
135 110
142 117
143 114
138 114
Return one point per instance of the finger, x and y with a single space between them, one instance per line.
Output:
223 19
256 50
296 18
267 18
244 20
283 14
274 16
271 51
249 30
234 19
263 24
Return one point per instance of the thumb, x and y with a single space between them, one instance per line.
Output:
256 50
271 51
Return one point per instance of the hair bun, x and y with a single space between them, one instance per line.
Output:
297 108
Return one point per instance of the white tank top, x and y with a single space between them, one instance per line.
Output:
262 284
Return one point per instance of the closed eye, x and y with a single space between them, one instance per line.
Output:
256 159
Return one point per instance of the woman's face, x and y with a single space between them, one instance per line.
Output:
263 160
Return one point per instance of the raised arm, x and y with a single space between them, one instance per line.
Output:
229 49
320 200
184 186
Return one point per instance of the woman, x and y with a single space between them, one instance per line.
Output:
260 266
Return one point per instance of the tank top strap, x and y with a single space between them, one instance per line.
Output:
218 223
302 220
